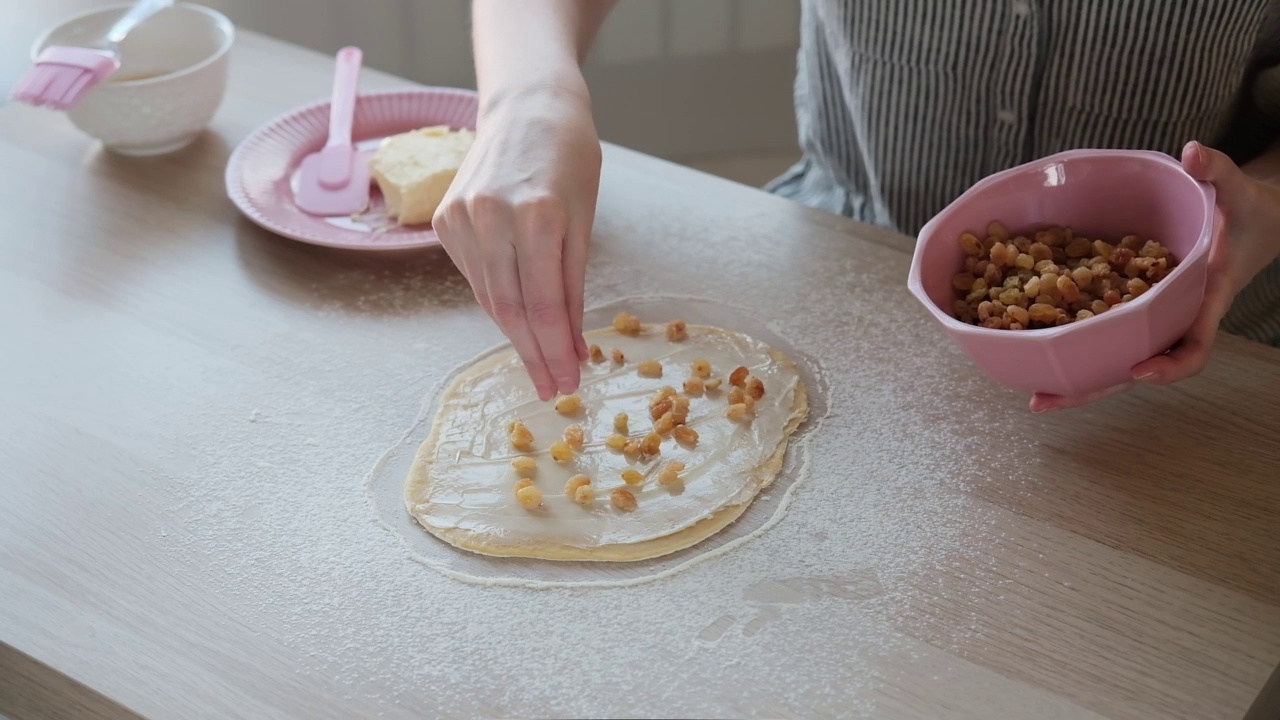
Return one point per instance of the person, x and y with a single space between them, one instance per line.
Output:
901 105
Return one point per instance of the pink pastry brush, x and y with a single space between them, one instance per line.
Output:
62 75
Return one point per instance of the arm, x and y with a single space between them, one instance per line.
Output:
533 45
517 218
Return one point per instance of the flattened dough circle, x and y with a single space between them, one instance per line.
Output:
460 485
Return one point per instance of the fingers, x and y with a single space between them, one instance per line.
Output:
492 257
453 227
577 245
541 226
512 255
1211 166
1044 402
502 284
1189 358
575 271
1191 355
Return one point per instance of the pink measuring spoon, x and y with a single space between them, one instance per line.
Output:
335 180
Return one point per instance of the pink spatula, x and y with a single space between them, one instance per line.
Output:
62 75
335 180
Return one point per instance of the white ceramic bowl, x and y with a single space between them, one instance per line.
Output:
172 77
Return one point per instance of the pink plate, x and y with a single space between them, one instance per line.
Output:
262 168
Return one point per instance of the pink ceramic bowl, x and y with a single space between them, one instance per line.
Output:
1098 193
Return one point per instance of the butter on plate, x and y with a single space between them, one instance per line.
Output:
414 170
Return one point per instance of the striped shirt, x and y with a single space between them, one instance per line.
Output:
903 104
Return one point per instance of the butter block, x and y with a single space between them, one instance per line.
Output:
414 170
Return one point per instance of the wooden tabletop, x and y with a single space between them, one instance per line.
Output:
189 407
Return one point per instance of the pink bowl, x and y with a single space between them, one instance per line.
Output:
1098 193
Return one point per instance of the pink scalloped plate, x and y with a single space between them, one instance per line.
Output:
263 168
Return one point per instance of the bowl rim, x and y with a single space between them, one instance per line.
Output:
222 22
915 282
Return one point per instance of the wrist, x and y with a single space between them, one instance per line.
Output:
561 89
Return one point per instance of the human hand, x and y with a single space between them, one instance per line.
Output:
517 221
1245 241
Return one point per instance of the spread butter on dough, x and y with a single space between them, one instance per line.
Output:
461 485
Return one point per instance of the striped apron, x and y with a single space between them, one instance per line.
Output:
903 104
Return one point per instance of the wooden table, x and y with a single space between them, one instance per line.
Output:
189 407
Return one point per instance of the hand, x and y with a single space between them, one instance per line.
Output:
517 221
1244 242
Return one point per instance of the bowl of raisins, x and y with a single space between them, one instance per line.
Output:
1060 275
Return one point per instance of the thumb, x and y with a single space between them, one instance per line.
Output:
1214 167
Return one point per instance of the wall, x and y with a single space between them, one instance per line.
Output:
705 82
670 77
697 77
676 78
